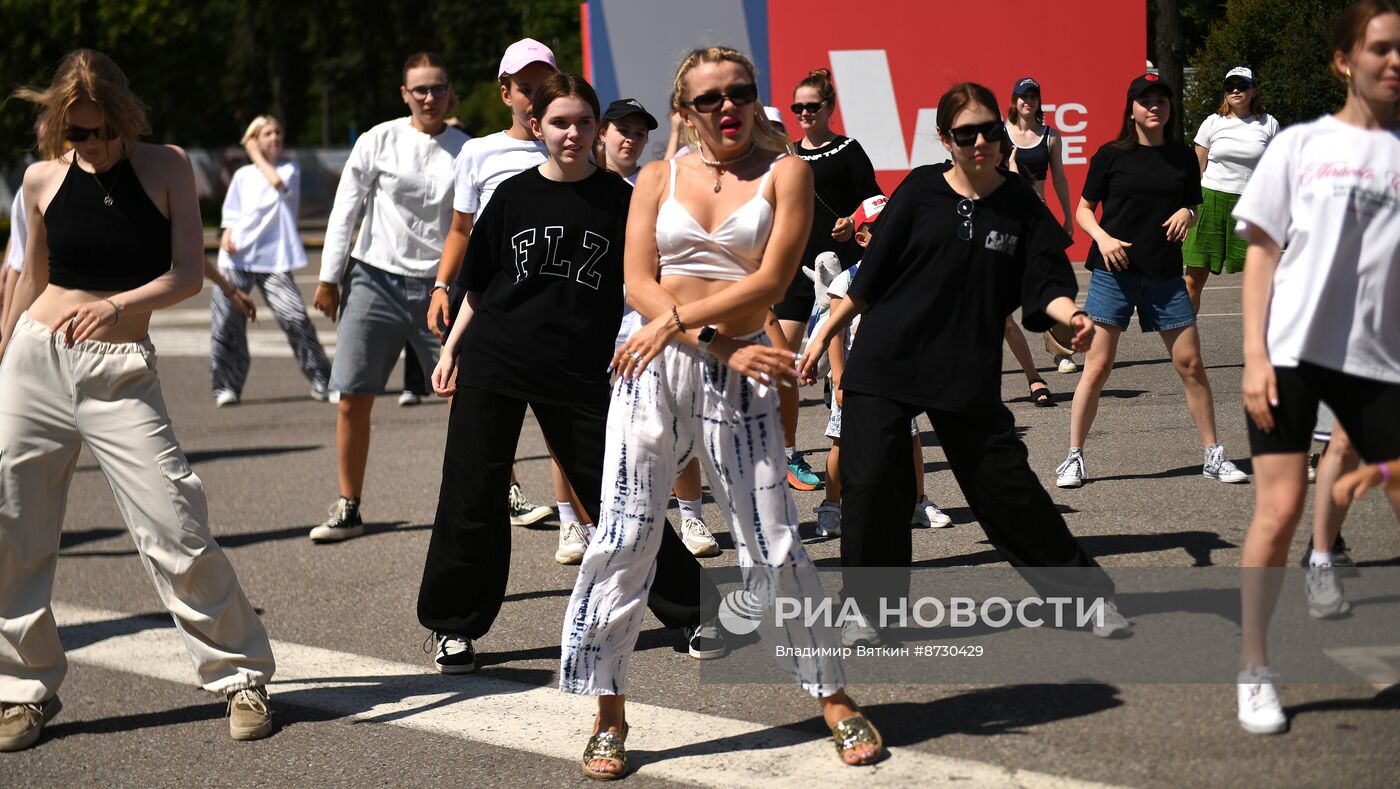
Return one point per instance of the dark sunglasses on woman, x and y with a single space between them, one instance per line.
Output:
81 133
711 101
812 106
1234 85
965 136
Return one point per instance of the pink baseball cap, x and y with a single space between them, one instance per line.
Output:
524 52
870 208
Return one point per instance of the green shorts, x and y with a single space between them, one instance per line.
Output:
1213 242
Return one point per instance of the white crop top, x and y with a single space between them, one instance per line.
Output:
731 252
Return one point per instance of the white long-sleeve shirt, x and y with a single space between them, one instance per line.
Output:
263 221
401 181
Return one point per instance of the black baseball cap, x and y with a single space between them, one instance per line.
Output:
623 107
1023 85
1145 83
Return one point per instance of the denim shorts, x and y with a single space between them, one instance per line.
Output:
1162 304
380 313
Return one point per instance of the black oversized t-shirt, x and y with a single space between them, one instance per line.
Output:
1139 188
842 177
936 305
546 257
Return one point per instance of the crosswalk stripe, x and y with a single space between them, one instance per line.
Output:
700 749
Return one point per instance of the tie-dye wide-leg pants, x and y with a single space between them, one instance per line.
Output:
685 404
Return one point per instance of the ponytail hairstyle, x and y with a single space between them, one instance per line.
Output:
764 135
86 74
557 86
819 79
256 127
421 60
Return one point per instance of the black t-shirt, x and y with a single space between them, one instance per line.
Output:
843 177
936 305
546 257
1139 188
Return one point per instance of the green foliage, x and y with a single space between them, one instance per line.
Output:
1286 42
324 67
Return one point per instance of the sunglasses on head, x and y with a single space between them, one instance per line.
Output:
1237 85
711 101
81 133
421 92
965 136
812 106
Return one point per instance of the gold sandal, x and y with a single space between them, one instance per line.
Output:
850 733
607 745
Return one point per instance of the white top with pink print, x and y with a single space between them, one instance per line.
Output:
1329 194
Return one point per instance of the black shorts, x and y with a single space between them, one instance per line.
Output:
1368 409
797 304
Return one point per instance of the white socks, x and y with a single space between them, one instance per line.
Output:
689 509
790 452
566 512
1320 559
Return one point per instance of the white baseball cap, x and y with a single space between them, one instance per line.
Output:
524 52
773 114
1245 73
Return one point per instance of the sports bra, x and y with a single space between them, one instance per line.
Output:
732 252
95 246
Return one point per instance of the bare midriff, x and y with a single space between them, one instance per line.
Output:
55 301
692 289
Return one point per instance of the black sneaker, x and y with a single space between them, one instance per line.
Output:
455 654
704 642
344 522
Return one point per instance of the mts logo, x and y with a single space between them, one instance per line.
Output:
871 115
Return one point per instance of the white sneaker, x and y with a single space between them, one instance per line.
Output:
1115 625
828 519
333 396
409 398
572 543
224 398
927 516
697 538
1066 365
524 512
320 394
1324 592
1260 710
1070 474
858 632
1218 468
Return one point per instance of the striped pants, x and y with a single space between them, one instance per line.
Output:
685 404
228 346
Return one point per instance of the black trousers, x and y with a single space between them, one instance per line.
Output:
468 563
990 464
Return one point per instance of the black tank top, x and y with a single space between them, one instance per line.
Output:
96 246
1034 161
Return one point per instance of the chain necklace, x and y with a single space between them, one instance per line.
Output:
106 193
720 165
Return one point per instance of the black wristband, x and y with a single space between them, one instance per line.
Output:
676 315
1077 313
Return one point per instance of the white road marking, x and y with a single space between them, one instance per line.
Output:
702 750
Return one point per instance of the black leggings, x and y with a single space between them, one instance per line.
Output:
990 463
468 563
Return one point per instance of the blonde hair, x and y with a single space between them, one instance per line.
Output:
86 74
256 127
764 135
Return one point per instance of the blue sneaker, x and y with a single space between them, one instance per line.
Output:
800 476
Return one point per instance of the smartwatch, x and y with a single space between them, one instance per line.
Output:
707 336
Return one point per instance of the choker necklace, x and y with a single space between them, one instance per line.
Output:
720 165
106 193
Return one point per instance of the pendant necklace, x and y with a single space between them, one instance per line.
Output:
720 165
106 193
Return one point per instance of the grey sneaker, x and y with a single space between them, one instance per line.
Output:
343 524
1114 624
21 724
1324 592
1218 468
697 538
572 544
249 717
705 642
524 512
828 519
1259 709
1070 474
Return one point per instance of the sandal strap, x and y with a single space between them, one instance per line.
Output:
854 731
606 745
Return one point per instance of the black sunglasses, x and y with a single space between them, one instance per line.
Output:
1237 85
965 136
812 106
421 92
81 133
713 100
965 207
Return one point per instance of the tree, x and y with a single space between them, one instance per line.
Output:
1286 42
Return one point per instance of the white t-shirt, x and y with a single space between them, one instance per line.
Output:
400 180
1329 194
838 289
264 221
19 232
1234 147
485 162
